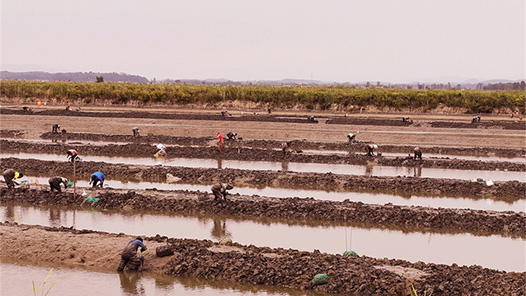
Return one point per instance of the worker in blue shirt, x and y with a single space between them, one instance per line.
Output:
129 255
96 178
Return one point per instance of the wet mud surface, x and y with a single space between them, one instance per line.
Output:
188 202
294 145
294 269
232 151
176 116
399 185
490 124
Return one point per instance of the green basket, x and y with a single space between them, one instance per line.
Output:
70 184
320 279
351 253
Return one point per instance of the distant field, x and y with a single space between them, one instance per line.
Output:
346 99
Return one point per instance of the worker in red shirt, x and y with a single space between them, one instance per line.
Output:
221 142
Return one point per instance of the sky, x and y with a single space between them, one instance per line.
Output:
344 41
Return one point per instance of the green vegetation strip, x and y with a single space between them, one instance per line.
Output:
308 97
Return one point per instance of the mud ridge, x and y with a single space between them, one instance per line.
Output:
294 144
173 116
259 265
231 152
490 124
328 181
505 223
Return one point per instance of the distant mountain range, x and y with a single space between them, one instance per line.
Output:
72 76
439 83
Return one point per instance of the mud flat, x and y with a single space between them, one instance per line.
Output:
256 265
244 154
510 190
176 116
489 124
482 222
269 144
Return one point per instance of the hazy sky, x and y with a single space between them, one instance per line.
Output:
348 40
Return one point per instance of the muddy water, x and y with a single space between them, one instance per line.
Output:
494 252
368 170
365 197
16 279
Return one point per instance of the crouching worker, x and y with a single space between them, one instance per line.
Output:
418 153
370 148
54 183
10 176
136 131
55 128
351 137
129 256
231 136
73 155
220 190
96 178
161 152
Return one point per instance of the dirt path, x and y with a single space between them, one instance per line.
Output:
249 264
34 125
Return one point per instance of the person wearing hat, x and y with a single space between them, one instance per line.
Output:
54 183
129 255
96 178
231 136
10 176
351 137
73 155
370 148
418 153
220 142
220 190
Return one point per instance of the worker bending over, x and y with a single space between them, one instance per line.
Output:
55 129
370 148
54 183
129 255
10 176
96 178
73 155
220 190
418 153
136 131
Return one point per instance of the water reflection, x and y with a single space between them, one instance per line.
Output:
400 243
219 163
285 166
54 217
219 230
131 284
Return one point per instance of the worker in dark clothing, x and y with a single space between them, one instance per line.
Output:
475 119
284 147
351 137
136 131
96 178
418 153
54 183
73 155
220 190
129 255
10 176
370 148
55 129
231 136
